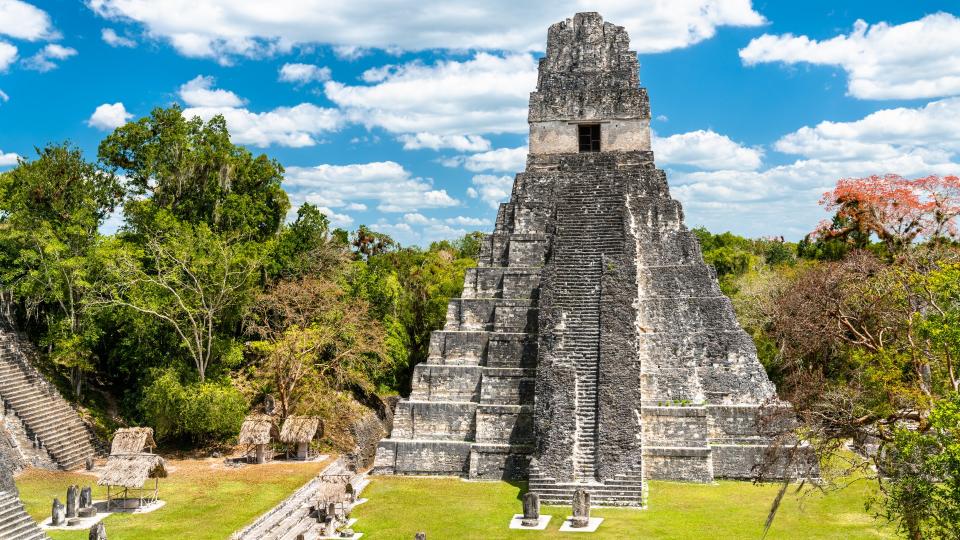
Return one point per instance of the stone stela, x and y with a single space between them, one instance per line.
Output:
592 348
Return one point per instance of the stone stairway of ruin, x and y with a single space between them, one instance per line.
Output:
293 517
15 523
45 415
587 229
620 490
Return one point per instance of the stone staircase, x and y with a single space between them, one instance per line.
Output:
15 523
45 415
589 235
586 231
621 490
293 517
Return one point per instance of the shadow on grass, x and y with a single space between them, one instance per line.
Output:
521 486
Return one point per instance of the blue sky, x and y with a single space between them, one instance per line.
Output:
411 118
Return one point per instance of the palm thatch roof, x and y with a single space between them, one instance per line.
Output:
299 429
132 441
257 429
132 470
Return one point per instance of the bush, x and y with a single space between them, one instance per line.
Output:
199 411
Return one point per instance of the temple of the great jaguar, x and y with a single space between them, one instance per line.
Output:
592 347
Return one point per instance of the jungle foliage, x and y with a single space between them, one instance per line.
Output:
207 298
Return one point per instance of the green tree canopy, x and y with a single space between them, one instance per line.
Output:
51 209
191 169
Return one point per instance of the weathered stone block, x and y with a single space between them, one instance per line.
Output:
445 383
685 464
451 421
499 461
504 424
675 426
507 386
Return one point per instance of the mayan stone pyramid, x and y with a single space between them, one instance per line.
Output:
592 347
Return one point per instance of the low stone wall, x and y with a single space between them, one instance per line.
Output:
452 421
504 424
499 462
423 457
9 460
679 464
674 426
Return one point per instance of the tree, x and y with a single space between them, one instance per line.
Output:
307 247
920 475
201 411
312 336
868 355
895 209
190 278
191 169
370 243
52 208
408 290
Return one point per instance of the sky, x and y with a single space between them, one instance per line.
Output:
410 117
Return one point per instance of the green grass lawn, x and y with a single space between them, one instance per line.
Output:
447 508
208 501
204 499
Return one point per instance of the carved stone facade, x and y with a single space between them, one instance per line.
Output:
592 348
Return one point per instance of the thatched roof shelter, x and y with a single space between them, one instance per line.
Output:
299 429
132 470
132 441
257 429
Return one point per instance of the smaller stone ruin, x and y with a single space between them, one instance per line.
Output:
581 509
531 510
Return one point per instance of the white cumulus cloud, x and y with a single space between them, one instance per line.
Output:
46 58
109 116
8 159
911 141
462 143
386 183
25 21
884 134
199 92
110 37
499 160
485 94
8 55
304 73
466 221
226 28
917 59
491 189
297 126
706 149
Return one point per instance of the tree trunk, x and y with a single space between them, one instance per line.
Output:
77 381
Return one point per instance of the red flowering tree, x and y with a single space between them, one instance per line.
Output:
895 209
